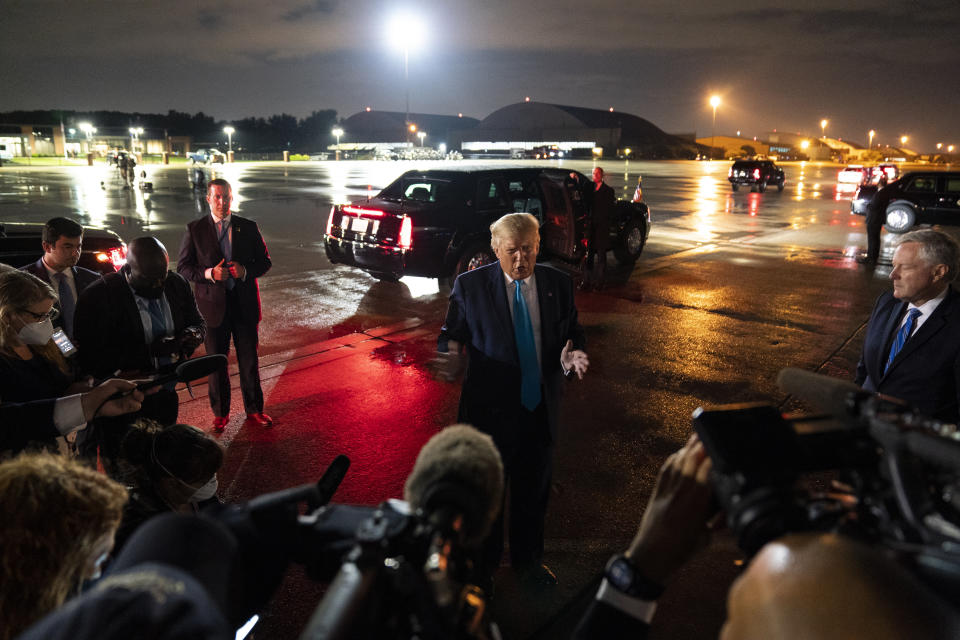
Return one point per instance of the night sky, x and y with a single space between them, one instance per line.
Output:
889 66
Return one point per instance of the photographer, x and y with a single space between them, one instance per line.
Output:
801 586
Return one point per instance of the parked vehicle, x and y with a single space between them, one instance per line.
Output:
884 173
206 156
20 244
853 175
436 223
756 173
919 197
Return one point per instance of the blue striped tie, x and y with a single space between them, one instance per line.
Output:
902 336
223 229
527 349
67 303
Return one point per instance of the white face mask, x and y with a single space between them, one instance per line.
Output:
36 333
205 492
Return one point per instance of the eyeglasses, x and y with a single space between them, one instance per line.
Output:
53 314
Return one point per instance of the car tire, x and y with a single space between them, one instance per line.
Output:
901 216
781 184
385 276
734 186
475 255
762 186
630 243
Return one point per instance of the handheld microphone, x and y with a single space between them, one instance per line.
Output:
188 371
458 476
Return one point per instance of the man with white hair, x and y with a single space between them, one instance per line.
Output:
518 324
912 347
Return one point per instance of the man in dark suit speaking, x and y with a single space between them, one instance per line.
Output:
223 255
518 324
912 348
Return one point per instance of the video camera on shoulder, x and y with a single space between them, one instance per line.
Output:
869 467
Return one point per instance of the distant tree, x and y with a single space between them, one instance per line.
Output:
748 150
315 129
872 155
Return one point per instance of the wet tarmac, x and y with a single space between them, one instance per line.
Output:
731 288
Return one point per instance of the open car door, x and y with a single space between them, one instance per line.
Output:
564 216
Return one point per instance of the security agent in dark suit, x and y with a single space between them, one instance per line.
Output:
223 255
62 242
912 347
137 321
518 324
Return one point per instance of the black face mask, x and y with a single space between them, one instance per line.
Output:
148 292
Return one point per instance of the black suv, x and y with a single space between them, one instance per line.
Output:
756 173
436 223
918 197
20 244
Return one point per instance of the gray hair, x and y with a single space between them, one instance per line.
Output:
513 225
936 248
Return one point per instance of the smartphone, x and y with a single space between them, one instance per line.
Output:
63 343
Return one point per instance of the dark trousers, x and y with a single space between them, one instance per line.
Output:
245 340
596 267
528 471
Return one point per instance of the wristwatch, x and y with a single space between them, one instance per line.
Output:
626 578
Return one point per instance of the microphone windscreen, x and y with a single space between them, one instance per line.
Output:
191 370
827 394
462 458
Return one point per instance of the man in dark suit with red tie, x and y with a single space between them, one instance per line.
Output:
517 322
62 242
912 347
223 255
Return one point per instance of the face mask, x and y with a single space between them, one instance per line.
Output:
36 333
149 292
205 492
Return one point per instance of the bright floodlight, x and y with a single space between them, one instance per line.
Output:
714 101
229 130
406 31
903 139
86 127
337 131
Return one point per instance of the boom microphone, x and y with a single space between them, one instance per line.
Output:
829 395
458 474
188 371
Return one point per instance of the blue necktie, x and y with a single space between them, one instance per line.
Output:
527 349
902 336
67 303
158 329
224 231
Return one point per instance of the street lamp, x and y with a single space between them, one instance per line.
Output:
939 146
229 131
714 102
950 149
871 133
421 135
903 140
134 137
89 130
337 131
406 30
823 133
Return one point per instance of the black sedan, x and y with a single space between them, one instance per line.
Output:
436 223
919 197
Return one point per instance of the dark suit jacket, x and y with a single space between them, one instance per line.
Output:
25 423
604 201
479 317
926 372
109 330
200 250
83 278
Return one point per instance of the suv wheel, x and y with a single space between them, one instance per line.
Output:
630 244
475 255
781 184
762 186
901 216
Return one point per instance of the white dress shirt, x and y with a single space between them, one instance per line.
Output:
68 273
529 290
926 310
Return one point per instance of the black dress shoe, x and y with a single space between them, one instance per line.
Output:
537 576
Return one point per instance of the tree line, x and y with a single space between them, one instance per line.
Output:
256 134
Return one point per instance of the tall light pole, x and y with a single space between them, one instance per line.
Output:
903 141
823 132
421 135
88 129
337 131
871 133
135 137
229 131
406 31
714 102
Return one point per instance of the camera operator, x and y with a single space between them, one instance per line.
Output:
801 586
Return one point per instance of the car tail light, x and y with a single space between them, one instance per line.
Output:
360 211
406 233
756 174
116 256
730 172
330 219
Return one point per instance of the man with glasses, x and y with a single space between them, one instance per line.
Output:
62 242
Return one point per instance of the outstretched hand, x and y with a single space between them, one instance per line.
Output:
97 402
674 524
574 359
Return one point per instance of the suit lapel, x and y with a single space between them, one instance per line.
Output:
890 328
129 305
932 325
501 309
